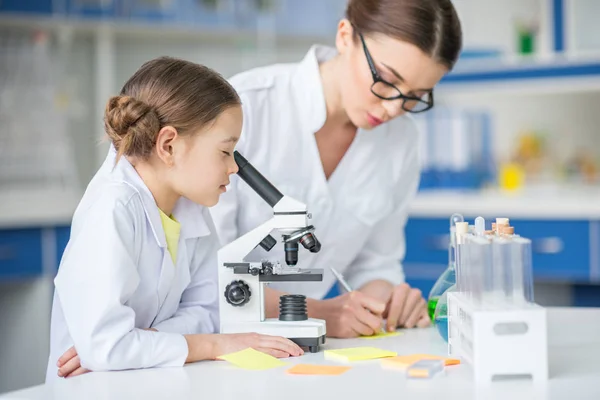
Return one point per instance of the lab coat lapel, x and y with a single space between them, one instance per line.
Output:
165 281
127 173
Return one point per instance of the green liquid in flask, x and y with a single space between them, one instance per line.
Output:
431 307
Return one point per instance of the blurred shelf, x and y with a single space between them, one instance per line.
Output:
559 203
37 208
549 75
158 30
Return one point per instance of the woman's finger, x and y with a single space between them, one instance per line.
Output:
66 356
69 366
78 371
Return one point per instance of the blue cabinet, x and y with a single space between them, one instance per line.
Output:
27 6
62 238
20 253
560 249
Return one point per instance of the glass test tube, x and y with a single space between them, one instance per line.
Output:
461 236
501 253
479 251
454 219
522 282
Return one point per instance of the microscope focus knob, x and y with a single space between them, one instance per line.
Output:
237 293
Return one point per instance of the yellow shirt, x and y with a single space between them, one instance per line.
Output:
172 229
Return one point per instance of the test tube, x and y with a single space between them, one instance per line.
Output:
478 260
522 271
454 219
479 226
461 235
502 276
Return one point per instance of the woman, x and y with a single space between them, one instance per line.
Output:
335 132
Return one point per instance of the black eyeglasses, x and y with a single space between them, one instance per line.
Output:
387 91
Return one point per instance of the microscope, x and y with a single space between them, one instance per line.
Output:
242 283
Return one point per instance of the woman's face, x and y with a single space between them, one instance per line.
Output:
400 63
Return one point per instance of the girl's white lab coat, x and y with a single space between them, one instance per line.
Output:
117 277
359 212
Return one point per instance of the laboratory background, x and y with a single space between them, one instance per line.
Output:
514 133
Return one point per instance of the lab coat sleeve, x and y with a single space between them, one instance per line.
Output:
96 278
198 310
381 256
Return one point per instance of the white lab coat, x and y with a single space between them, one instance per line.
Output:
117 277
359 212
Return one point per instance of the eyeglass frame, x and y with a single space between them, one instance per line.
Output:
378 79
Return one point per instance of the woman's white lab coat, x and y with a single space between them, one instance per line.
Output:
116 277
359 212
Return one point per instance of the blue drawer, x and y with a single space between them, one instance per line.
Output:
62 238
20 253
26 6
560 249
427 241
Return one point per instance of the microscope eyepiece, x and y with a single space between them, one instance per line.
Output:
310 242
256 180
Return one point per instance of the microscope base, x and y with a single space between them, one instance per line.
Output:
308 333
313 343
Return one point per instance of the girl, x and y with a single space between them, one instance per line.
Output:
334 131
137 284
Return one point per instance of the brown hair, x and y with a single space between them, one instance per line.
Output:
165 92
431 25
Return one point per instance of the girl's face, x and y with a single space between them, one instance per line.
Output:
203 161
397 62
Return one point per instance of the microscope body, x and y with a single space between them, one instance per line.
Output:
242 283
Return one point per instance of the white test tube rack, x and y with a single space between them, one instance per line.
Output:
500 343
499 331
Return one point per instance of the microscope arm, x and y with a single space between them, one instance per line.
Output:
239 248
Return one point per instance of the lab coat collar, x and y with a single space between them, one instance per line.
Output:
189 214
308 88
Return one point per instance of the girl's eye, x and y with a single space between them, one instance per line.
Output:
228 154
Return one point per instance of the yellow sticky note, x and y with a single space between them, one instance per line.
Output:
382 335
408 360
252 359
308 369
358 354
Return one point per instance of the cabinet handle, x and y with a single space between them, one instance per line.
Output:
7 253
549 245
437 242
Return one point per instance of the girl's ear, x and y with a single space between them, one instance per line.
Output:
164 144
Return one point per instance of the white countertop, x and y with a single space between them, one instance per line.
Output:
47 208
573 361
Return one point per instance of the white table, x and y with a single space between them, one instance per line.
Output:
574 337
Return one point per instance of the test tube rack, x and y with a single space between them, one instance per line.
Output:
499 343
493 322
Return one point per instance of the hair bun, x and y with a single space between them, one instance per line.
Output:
128 120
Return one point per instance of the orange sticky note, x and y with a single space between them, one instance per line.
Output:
406 361
309 369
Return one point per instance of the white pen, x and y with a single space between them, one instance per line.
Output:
341 280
